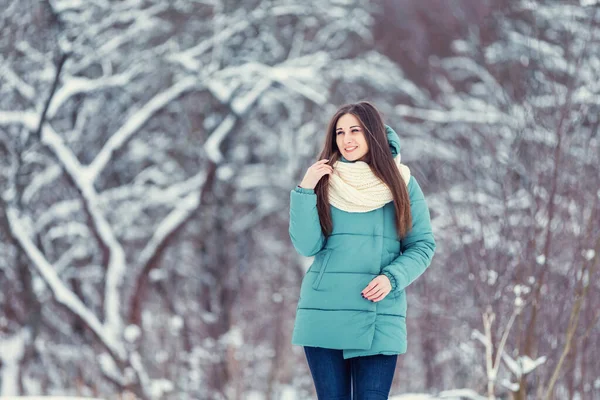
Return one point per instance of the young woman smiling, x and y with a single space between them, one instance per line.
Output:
364 218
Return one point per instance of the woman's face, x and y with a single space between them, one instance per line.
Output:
350 138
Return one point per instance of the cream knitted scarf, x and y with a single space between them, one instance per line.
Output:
353 187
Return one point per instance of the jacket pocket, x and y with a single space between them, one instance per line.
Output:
324 259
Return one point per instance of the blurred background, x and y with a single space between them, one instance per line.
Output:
147 152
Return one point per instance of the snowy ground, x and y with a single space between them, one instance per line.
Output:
47 398
289 393
457 394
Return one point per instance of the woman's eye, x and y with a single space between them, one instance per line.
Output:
338 132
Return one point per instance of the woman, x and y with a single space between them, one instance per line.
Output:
364 218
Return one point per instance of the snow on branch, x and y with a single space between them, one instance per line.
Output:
211 146
240 22
182 212
12 350
77 85
483 116
240 107
116 264
136 122
26 90
26 118
62 294
143 22
464 63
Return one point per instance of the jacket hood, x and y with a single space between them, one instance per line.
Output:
393 141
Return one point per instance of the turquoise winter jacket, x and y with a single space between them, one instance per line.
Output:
331 312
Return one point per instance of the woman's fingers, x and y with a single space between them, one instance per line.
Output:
375 294
325 169
371 289
380 297
315 172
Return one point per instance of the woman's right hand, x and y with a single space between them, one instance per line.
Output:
315 172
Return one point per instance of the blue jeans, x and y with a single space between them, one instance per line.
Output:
359 378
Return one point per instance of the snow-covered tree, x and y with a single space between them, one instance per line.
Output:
516 158
146 147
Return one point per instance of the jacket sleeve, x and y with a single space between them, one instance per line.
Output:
305 228
417 247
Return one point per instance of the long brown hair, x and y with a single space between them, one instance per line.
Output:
379 158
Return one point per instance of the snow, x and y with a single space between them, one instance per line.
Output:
176 323
412 396
61 293
528 365
589 254
286 78
132 333
521 199
222 90
84 178
12 350
475 334
583 276
212 144
233 338
209 318
57 211
519 289
140 151
15 81
109 367
135 122
523 365
537 45
277 297
512 386
44 178
225 172
454 394
25 118
492 277
453 115
49 398
241 104
160 387
465 64
157 274
518 302
288 393
76 85
461 394
181 213
460 46
135 361
67 5
540 259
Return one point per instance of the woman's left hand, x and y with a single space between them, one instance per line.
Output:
377 289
